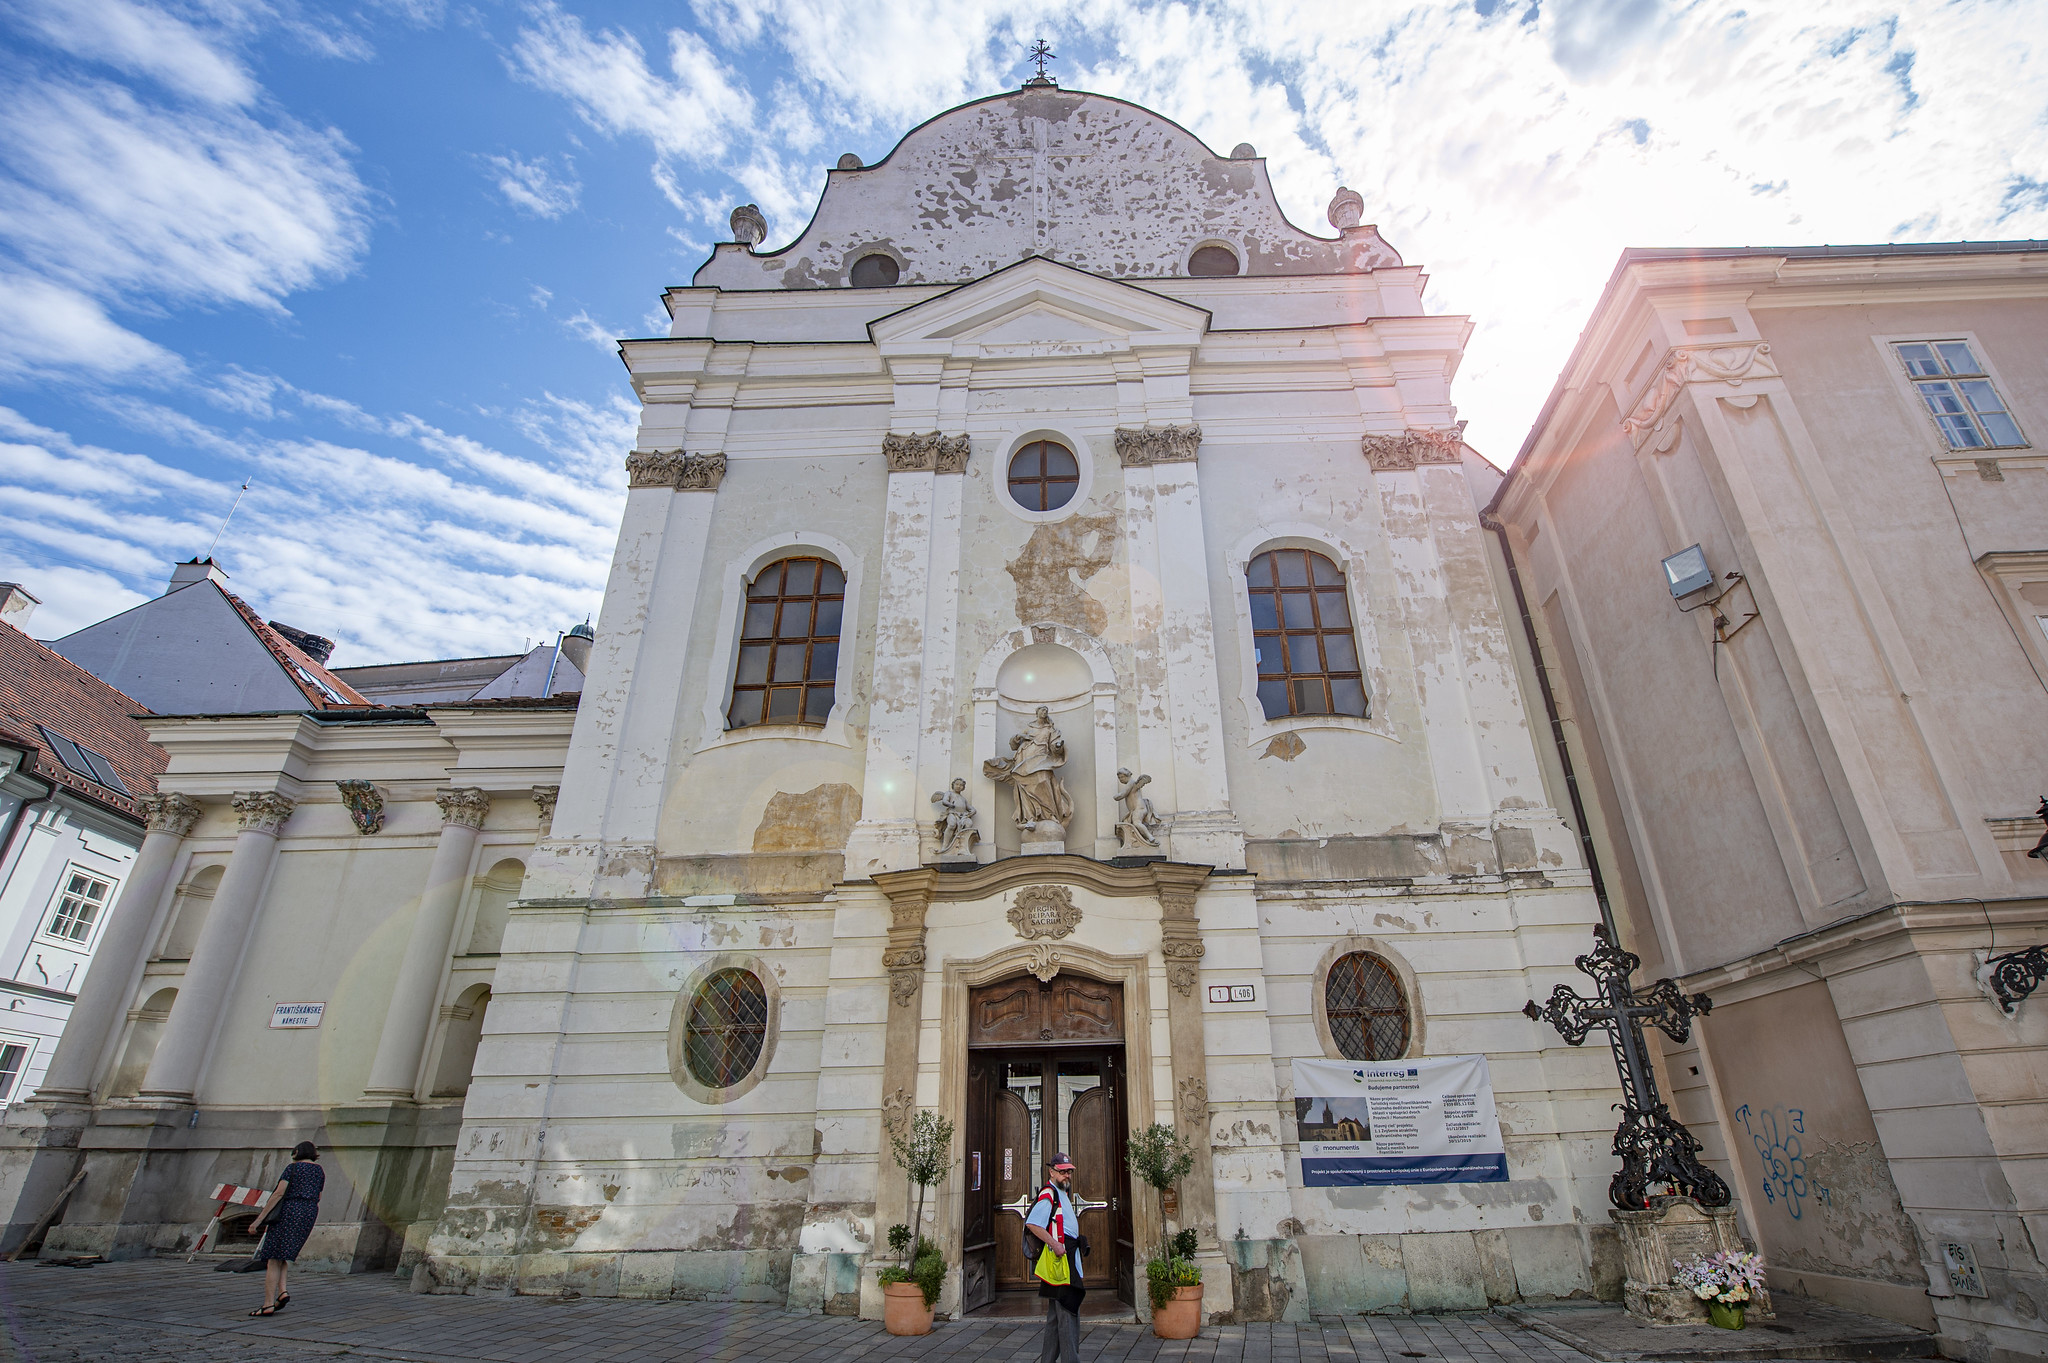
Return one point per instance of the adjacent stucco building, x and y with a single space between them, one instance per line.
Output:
1815 779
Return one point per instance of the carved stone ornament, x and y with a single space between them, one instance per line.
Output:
465 805
263 811
674 469
928 453
1045 911
1183 964
365 804
1142 446
1347 209
1045 962
702 473
171 813
906 972
896 1110
1194 1101
749 228
545 797
1396 453
1733 365
654 468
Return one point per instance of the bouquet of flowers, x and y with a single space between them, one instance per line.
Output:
1731 1277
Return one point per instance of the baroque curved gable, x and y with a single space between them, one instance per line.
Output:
1086 180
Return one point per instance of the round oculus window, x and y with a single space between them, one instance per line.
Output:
1044 476
877 271
726 1028
1213 261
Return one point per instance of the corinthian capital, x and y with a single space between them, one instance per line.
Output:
654 468
171 813
465 805
927 453
262 811
1393 453
1142 446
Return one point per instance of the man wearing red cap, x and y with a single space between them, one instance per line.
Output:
1056 1223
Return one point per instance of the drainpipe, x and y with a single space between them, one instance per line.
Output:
1564 753
547 688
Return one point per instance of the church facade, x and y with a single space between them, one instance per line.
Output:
1052 674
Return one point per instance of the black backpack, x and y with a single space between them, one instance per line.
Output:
1032 1244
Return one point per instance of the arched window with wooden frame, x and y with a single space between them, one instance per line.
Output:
789 644
1302 636
1366 1007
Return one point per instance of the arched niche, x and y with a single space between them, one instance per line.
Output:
495 891
146 1028
464 1029
188 912
1069 673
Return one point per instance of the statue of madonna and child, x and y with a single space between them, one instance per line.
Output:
1044 808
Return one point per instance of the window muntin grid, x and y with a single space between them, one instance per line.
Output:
1368 1013
1960 395
1044 476
789 644
13 1057
78 909
1302 639
726 1029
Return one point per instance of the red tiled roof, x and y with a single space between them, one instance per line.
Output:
38 687
292 660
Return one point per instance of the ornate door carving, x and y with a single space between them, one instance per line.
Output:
1025 1012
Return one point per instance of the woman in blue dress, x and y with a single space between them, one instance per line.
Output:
294 1206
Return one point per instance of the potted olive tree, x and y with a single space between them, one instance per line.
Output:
910 1289
1159 1157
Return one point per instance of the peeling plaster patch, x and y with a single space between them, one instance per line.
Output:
1286 747
611 1192
1053 565
558 1227
791 1172
819 820
1388 920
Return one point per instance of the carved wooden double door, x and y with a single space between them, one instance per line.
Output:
1045 1074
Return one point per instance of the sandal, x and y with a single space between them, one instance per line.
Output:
284 1299
265 1311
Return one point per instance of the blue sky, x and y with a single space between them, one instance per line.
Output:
374 256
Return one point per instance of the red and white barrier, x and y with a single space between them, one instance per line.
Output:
228 1195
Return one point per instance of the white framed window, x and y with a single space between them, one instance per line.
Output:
1959 393
15 1053
1266 683
1044 475
82 902
728 663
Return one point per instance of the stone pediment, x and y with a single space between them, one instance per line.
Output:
1037 308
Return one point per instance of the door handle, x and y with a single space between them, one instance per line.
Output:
1022 1206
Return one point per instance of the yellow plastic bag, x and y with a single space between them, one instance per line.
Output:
1054 1268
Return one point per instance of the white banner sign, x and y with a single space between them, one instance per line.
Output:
297 1014
1363 1123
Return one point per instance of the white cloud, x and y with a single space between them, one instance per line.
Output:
141 41
587 328
110 202
532 186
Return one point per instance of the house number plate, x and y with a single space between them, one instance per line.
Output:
1233 993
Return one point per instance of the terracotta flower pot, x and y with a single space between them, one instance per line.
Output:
1728 1316
904 1311
1180 1318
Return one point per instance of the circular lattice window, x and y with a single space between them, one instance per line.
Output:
726 1028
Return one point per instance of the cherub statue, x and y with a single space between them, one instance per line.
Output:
956 818
1140 825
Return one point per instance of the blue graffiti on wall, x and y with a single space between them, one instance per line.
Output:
1776 1133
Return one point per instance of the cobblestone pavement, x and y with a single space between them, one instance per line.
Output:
160 1310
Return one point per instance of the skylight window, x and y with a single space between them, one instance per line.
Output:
322 687
83 760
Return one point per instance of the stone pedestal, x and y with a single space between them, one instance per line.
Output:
1652 1243
1043 839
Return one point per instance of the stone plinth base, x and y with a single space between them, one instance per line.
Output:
1653 1241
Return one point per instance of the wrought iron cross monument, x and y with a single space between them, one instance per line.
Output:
1654 1146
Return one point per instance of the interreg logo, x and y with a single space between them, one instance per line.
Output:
1385 1074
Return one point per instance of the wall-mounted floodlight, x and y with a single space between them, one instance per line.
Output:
1687 572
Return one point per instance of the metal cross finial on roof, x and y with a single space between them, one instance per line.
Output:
1041 54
